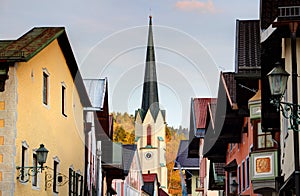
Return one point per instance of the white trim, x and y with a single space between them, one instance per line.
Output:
25 144
38 179
264 35
45 71
55 158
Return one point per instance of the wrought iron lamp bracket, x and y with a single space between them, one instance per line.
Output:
26 172
62 179
287 110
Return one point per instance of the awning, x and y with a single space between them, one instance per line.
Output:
224 125
231 166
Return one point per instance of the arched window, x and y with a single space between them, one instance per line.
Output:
149 135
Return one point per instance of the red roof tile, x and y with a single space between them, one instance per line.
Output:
200 107
149 177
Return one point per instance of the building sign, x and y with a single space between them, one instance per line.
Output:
263 165
255 110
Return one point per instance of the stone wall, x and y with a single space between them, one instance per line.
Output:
8 118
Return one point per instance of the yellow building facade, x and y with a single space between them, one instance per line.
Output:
42 103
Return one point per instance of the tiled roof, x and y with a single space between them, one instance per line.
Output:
229 85
219 169
96 89
182 157
149 177
248 47
29 44
200 107
34 41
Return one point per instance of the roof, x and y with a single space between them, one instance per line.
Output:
25 47
182 157
149 183
150 90
200 113
231 166
161 192
34 41
269 10
227 123
128 154
200 109
96 89
229 84
149 177
248 50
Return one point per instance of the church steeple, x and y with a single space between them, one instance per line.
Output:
150 91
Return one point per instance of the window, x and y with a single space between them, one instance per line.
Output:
24 149
264 139
45 87
75 183
63 99
24 160
243 177
80 191
35 164
239 179
232 181
247 173
149 135
55 171
71 181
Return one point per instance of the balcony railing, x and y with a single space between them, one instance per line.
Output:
289 12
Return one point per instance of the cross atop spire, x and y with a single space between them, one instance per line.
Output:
150 91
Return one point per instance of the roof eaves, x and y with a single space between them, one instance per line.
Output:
46 43
233 105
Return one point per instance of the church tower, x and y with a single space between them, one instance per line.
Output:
150 125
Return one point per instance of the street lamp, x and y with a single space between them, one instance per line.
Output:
278 78
278 82
233 187
26 172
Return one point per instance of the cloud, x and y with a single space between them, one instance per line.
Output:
195 5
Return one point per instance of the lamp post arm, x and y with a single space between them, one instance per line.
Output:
26 172
289 111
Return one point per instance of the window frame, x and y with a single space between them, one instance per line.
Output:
34 181
46 87
264 135
63 99
239 179
149 134
247 172
243 181
55 186
24 158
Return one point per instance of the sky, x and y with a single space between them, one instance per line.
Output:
194 40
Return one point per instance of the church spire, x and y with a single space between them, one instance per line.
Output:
150 91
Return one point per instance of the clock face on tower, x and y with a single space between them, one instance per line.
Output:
148 155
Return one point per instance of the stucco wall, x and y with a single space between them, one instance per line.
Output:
38 123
